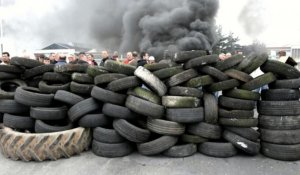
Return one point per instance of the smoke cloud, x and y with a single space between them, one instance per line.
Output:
142 25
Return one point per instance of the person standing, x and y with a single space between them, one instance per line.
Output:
129 58
143 60
91 60
105 57
5 58
52 58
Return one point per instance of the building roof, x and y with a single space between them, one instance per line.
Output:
57 46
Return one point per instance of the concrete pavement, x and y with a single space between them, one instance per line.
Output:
135 164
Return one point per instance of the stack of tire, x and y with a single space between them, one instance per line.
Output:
279 111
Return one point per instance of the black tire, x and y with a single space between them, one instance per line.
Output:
184 56
238 75
235 122
187 138
279 108
168 72
164 127
185 91
181 77
223 85
8 88
242 94
54 77
70 68
118 112
210 109
281 152
25 62
67 97
151 80
18 122
200 81
248 133
8 76
123 84
107 96
33 97
255 63
130 131
234 103
12 107
279 122
180 102
157 146
145 94
94 71
82 108
205 130
258 82
144 107
241 114
219 75
177 151
40 147
280 68
94 120
217 149
82 78
111 149
107 78
34 82
229 63
107 135
286 84
78 88
201 61
185 115
39 70
11 69
247 61
52 89
282 137
42 127
156 66
249 147
117 67
280 94
50 113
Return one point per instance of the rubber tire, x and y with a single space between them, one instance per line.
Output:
217 149
94 71
107 78
12 107
210 108
145 94
200 81
247 146
157 146
82 78
185 115
168 72
130 131
107 135
280 68
25 62
52 89
248 133
242 94
242 123
51 113
164 127
187 138
279 122
82 108
123 84
39 70
280 94
67 97
144 107
94 120
234 103
185 91
40 147
8 76
117 67
118 112
10 93
183 56
156 66
179 151
42 127
286 84
11 69
223 85
29 98
54 77
281 152
181 77
257 62
205 130
282 137
229 63
111 150
107 96
84 89
259 81
215 73
238 75
279 108
180 102
70 68
240 114
18 122
201 61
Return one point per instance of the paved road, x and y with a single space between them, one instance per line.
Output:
135 164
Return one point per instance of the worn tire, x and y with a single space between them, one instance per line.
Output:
40 147
82 108
82 78
12 107
183 56
33 97
67 97
282 137
123 84
248 133
258 82
107 135
107 78
205 130
185 115
145 94
39 70
216 73
185 91
255 63
43 127
238 75
229 63
157 146
181 77
168 72
94 120
107 96
187 138
281 152
286 84
242 114
164 127
94 71
279 122
280 68
177 151
156 66
200 81
180 102
118 112
50 113
223 85
18 122
112 150
201 61
210 109
236 122
217 149
28 63
242 94
280 94
279 108
234 103
70 68
54 77
78 88
117 67
52 89
8 88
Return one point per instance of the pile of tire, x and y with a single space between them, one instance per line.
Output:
279 110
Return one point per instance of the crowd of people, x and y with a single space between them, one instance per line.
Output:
132 58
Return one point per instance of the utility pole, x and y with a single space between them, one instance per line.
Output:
1 28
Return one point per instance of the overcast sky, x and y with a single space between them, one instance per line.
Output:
273 22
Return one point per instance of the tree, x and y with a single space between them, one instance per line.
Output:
226 42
